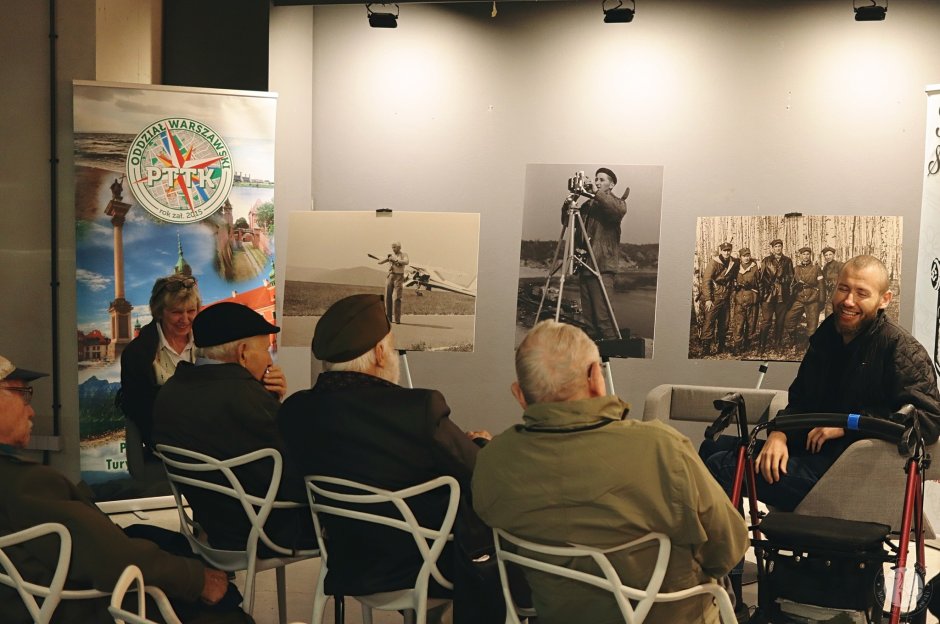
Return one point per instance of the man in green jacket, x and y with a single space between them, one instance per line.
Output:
577 471
31 494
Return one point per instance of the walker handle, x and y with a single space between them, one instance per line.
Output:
901 430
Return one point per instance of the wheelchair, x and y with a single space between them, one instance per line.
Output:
830 562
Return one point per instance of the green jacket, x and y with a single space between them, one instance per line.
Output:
578 472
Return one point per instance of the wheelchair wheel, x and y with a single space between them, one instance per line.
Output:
915 595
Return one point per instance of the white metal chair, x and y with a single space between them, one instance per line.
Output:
625 596
189 468
330 495
133 576
53 593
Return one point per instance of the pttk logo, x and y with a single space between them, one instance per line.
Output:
180 170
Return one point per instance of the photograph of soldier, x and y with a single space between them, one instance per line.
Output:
745 307
808 293
608 211
830 271
776 279
780 288
716 289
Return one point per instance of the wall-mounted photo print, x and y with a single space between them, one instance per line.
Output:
590 252
761 285
423 263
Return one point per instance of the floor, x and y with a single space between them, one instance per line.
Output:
302 579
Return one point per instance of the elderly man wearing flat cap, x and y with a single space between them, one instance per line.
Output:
357 423
31 494
225 405
602 214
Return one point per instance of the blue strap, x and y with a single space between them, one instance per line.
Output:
852 422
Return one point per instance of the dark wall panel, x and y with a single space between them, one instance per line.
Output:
216 43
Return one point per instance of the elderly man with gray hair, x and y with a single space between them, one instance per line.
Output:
577 471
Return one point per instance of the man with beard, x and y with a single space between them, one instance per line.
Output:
859 361
744 318
717 286
357 423
776 276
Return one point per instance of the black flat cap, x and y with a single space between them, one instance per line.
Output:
349 328
744 251
803 249
227 322
776 241
825 249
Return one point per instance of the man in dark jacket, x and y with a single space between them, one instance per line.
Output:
776 279
717 286
807 299
859 361
32 494
357 423
225 406
744 315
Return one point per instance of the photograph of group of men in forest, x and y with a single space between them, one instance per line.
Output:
765 302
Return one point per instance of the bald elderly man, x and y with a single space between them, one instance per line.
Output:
357 423
576 470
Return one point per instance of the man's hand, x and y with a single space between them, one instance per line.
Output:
483 433
275 381
772 459
709 305
818 436
214 586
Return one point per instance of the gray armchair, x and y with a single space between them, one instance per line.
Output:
866 483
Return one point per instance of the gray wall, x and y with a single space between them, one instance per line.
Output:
753 109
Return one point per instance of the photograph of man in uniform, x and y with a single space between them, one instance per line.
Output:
775 303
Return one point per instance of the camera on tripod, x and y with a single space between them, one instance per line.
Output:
581 184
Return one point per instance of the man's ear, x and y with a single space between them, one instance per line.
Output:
885 300
597 386
240 350
516 390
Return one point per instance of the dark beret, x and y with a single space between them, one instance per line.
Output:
776 241
226 322
825 249
349 328
744 251
725 247
802 249
610 174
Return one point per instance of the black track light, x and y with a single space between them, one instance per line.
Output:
382 19
618 14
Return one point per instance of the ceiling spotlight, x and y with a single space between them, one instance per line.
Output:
870 12
618 14
383 20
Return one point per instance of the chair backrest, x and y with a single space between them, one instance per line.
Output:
192 469
609 580
334 496
53 593
690 408
133 576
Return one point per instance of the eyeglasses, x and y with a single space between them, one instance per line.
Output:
26 391
178 285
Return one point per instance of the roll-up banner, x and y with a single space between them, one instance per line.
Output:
169 181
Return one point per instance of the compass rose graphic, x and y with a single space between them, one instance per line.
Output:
180 170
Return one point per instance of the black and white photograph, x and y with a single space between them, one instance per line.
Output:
589 254
424 265
761 285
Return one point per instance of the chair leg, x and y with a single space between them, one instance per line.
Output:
366 613
410 617
339 610
248 599
281 573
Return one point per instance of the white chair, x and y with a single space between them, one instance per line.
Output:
332 496
610 581
50 594
133 575
189 468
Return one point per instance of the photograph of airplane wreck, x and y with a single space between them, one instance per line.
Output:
423 264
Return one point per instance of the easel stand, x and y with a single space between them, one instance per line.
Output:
404 368
608 378
572 262
761 371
